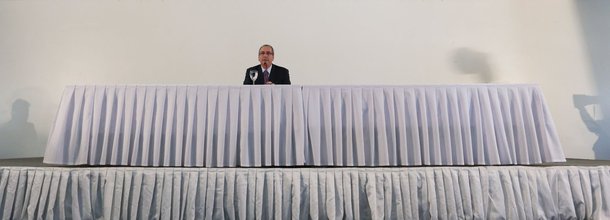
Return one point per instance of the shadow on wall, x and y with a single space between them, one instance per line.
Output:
18 136
601 127
469 61
595 27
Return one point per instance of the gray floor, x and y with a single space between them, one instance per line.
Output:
37 162
24 162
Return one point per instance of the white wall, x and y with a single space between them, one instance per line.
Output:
45 45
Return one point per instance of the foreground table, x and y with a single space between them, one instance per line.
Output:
490 192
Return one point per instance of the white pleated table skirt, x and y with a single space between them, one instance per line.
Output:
253 126
485 192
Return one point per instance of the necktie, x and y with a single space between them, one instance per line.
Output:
266 74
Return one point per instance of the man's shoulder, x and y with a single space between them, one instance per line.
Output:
280 67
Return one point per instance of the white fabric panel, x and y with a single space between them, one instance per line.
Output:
231 126
211 126
334 193
429 125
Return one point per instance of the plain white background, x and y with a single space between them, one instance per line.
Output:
46 45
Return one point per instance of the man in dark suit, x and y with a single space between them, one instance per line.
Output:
267 72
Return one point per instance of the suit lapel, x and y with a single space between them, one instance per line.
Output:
261 77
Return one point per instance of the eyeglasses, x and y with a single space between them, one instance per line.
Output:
265 52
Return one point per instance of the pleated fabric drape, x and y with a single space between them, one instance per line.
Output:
211 126
233 126
504 192
429 125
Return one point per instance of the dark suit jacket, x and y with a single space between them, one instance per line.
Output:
278 75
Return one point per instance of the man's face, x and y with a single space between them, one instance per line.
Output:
265 56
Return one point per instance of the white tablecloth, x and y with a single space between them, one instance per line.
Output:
494 192
232 126
429 125
211 126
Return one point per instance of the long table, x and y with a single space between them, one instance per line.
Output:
253 126
483 192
